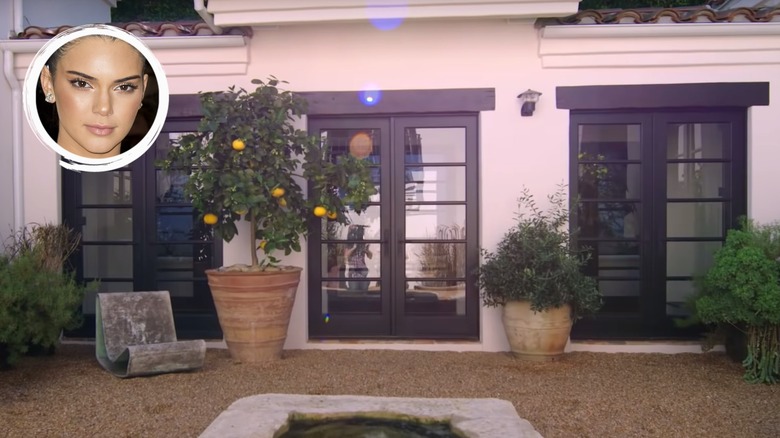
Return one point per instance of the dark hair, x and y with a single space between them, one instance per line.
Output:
54 59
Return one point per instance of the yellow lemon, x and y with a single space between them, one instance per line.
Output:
277 192
238 144
332 215
262 244
320 211
283 202
210 218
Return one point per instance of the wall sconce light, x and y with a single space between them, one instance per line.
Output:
529 99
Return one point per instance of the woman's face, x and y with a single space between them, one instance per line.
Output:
98 86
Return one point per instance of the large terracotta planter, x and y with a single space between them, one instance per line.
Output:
540 336
254 311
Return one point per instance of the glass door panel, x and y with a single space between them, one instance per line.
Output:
352 263
697 140
694 219
698 180
609 170
349 293
180 247
697 163
102 210
107 188
438 229
441 145
140 233
657 192
401 268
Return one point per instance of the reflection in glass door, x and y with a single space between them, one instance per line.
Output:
701 195
657 195
402 268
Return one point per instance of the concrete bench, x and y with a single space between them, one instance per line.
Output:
135 336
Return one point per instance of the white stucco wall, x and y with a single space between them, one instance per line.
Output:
6 133
514 150
40 169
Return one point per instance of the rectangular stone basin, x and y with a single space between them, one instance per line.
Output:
261 416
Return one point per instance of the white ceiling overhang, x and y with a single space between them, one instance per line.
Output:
277 12
659 45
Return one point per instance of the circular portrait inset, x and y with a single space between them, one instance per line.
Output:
97 96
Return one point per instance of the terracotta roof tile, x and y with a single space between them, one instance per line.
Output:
143 29
700 14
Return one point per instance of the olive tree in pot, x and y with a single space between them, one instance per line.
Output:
248 161
742 290
535 275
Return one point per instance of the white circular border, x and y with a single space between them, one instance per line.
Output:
79 163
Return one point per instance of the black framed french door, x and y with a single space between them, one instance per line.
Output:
658 192
139 233
404 267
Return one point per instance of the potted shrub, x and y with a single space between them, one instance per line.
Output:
249 162
535 275
741 290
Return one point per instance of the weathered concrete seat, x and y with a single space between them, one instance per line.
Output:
135 335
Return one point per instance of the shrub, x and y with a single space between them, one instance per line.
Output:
37 299
742 288
537 260
35 305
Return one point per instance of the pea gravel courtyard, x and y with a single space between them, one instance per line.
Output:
582 395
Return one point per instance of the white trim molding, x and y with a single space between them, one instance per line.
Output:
276 12
214 55
659 45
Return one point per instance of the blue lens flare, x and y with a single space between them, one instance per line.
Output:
370 96
386 14
386 23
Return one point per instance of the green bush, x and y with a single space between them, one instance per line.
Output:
537 261
37 300
742 288
35 306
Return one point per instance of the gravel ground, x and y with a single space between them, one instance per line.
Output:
582 395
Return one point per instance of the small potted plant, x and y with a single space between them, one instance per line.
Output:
249 162
535 275
741 290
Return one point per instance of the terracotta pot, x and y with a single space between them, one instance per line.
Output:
254 311
537 336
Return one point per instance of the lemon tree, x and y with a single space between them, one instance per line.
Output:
250 162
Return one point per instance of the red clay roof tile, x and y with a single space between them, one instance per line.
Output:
699 14
143 29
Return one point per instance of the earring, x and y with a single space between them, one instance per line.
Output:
140 105
50 97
